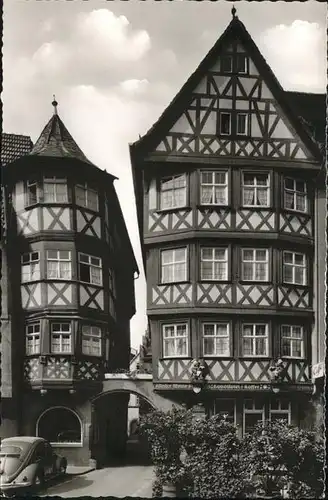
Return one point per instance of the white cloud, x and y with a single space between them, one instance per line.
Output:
134 85
296 54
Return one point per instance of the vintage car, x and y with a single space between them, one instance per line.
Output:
27 462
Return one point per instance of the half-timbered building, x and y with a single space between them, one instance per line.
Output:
67 291
229 186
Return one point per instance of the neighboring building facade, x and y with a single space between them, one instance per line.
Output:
230 190
67 294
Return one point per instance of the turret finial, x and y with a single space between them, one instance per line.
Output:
233 12
55 104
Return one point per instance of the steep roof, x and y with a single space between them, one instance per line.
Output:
235 30
56 141
13 146
312 108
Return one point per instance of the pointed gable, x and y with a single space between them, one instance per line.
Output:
232 106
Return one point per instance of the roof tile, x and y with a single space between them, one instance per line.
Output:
13 146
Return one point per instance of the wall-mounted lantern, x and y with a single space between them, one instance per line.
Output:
199 370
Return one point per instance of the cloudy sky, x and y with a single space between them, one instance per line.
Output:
114 66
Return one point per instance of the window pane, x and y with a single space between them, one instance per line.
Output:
80 195
220 195
207 177
247 271
248 254
260 272
260 329
262 197
247 346
289 200
297 331
92 199
220 177
288 274
222 346
95 275
180 254
181 347
288 257
300 202
225 123
299 259
169 331
181 330
299 276
167 256
241 124
226 64
300 186
297 348
241 63
169 347
260 347
220 270
251 419
262 179
207 194
208 329
289 184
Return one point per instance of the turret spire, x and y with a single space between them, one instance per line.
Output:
233 12
55 104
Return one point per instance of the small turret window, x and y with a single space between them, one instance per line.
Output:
59 264
55 190
33 338
61 339
90 269
31 192
30 266
86 197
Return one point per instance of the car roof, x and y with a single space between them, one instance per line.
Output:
21 439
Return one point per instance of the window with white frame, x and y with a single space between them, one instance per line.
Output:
294 268
256 190
255 264
175 340
241 63
214 264
253 413
174 265
86 197
61 339
295 195
59 264
225 408
292 341
55 190
226 64
280 409
225 123
30 266
214 188
31 192
90 269
91 340
242 124
255 339
216 339
173 192
33 333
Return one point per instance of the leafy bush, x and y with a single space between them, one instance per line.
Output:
205 458
280 455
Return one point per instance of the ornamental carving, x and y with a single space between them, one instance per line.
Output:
199 370
277 370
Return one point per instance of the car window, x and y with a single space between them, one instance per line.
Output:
10 450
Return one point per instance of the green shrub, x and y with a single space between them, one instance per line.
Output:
205 458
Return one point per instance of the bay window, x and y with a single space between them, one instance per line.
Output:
33 332
86 197
175 340
214 188
59 264
61 340
91 340
294 268
214 264
255 189
255 340
173 265
292 341
216 339
295 195
90 269
55 190
255 264
173 192
30 270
